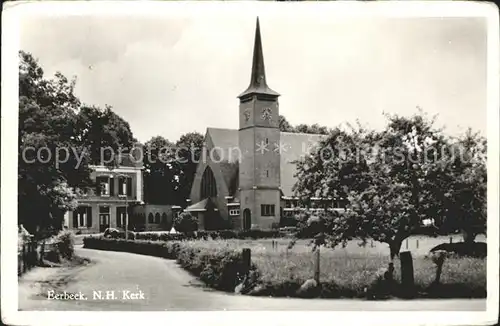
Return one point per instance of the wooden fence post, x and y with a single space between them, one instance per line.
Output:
24 258
316 265
42 251
439 271
28 255
417 243
407 278
406 243
451 240
30 246
247 259
34 257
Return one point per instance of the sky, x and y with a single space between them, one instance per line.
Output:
168 76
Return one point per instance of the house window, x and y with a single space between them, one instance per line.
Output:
150 218
103 186
234 212
121 216
125 186
157 218
288 204
267 210
82 217
267 141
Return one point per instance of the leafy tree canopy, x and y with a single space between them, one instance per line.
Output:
285 126
395 178
58 139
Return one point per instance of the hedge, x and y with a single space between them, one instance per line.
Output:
208 235
221 269
220 266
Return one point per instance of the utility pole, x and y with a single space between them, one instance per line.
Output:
126 212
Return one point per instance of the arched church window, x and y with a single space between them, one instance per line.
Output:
208 184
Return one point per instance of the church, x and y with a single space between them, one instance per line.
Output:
245 177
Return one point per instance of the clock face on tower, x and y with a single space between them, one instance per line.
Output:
246 114
267 114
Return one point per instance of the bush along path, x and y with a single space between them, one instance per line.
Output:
230 270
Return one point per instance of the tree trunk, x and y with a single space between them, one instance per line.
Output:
469 236
394 247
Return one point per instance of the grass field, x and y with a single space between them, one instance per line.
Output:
418 245
352 269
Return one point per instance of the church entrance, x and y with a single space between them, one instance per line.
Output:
247 219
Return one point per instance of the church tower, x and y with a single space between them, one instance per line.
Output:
259 142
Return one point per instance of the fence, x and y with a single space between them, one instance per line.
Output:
27 256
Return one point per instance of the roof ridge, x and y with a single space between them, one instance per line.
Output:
301 133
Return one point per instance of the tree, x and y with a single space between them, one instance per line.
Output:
161 175
187 155
461 186
58 139
284 125
336 166
104 134
185 223
47 112
389 178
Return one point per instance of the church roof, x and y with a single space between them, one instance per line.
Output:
258 84
225 139
295 146
200 206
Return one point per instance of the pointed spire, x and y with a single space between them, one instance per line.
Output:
258 84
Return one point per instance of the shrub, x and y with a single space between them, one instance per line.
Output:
221 269
121 235
282 272
213 235
186 223
310 224
65 244
474 249
111 233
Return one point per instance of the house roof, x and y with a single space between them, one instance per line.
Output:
295 146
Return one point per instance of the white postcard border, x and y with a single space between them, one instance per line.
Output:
15 11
